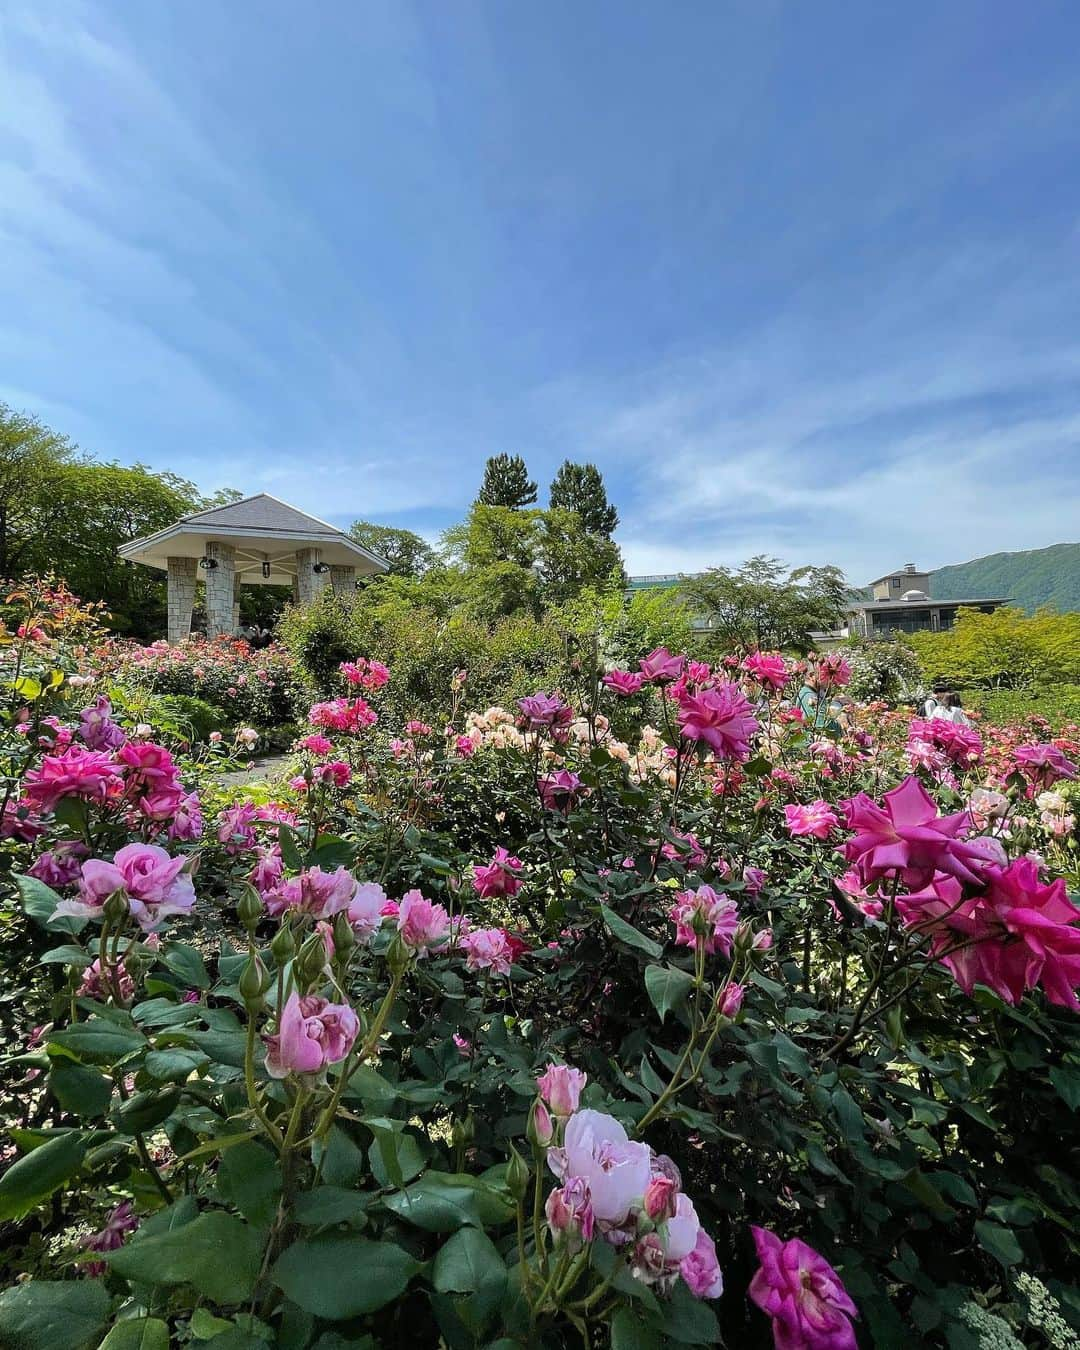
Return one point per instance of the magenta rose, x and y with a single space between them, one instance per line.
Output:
804 1296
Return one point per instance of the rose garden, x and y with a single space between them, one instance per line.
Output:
642 1010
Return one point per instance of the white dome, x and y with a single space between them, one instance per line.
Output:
914 595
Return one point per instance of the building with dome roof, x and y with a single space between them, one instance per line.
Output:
900 603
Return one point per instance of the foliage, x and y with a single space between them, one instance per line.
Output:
770 1021
580 488
407 554
506 483
506 657
1032 578
514 560
245 685
1004 650
60 510
1058 704
887 670
761 605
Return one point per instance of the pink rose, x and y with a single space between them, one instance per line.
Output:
624 682
487 949
312 1033
701 1270
423 926
313 891
560 1086
722 718
816 819
156 886
365 912
500 877
660 667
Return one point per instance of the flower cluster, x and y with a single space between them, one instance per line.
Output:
616 1190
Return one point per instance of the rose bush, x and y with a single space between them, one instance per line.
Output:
510 1031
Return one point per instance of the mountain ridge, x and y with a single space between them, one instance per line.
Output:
1030 578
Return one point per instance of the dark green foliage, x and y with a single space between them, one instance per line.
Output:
580 488
62 511
506 483
407 554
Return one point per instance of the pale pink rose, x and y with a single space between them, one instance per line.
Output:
616 1171
561 1087
312 1033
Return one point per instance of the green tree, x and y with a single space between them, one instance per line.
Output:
506 483
763 605
569 557
580 488
1004 650
32 459
407 554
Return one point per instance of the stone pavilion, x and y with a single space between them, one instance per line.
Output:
259 541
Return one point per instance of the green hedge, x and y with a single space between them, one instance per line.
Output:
1058 703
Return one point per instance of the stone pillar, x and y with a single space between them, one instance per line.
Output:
236 602
343 580
310 584
220 582
181 594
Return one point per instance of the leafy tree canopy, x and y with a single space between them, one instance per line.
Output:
407 554
762 604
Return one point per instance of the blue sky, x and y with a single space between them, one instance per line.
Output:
801 278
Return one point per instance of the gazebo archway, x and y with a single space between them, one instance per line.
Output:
259 541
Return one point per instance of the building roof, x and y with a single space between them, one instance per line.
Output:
262 529
927 603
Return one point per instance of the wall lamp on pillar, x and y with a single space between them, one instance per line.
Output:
266 570
208 564
320 568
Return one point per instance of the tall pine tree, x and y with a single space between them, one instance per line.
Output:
506 483
580 488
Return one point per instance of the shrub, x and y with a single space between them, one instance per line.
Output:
883 670
511 1033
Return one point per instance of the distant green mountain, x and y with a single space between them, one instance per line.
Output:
1034 577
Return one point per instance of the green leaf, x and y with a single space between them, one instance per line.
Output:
395 1156
186 963
625 932
139 1333
98 1041
630 1332
39 903
1067 1085
35 1177
469 1263
290 853
1000 1242
217 1253
146 1109
249 1177
50 1314
80 1089
466 1262
667 987
174 1065
332 1204
689 1320
343 1275
70 954
443 1201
